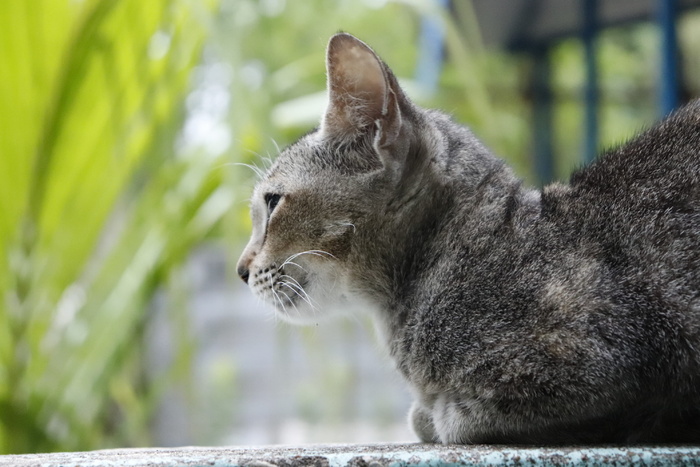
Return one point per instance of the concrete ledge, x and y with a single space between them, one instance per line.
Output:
378 455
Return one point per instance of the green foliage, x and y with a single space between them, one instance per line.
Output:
93 213
276 50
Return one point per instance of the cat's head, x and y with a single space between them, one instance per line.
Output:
309 209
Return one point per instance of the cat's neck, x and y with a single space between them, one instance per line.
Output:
424 227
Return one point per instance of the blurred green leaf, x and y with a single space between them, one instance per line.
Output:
91 92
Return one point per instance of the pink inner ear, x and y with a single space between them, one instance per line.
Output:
359 73
357 86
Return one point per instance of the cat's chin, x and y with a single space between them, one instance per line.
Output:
298 311
300 320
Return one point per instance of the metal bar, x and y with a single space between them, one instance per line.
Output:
668 80
430 50
591 95
542 116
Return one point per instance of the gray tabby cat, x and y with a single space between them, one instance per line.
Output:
568 315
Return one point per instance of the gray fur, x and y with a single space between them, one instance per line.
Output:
563 316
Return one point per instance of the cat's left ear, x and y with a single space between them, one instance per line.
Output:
363 94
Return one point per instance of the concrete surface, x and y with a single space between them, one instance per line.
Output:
377 455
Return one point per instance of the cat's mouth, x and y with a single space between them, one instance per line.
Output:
285 292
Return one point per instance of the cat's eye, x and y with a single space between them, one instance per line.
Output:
272 199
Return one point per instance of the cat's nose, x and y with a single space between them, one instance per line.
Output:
243 266
243 272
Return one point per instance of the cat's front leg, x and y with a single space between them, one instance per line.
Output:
463 419
421 420
448 420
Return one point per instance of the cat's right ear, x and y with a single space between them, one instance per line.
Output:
362 94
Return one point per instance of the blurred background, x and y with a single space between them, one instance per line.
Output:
123 207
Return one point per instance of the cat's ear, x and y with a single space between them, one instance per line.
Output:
362 94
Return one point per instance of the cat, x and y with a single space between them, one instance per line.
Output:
566 315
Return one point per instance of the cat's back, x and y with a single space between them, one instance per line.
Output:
644 193
636 211
659 169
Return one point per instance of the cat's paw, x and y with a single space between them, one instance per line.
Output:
422 422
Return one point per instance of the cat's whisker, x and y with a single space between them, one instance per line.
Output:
292 301
319 253
275 295
293 281
295 256
298 289
266 159
253 152
301 292
293 264
260 173
277 147
289 299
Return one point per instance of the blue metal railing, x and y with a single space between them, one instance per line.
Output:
668 81
591 94
431 58
430 50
